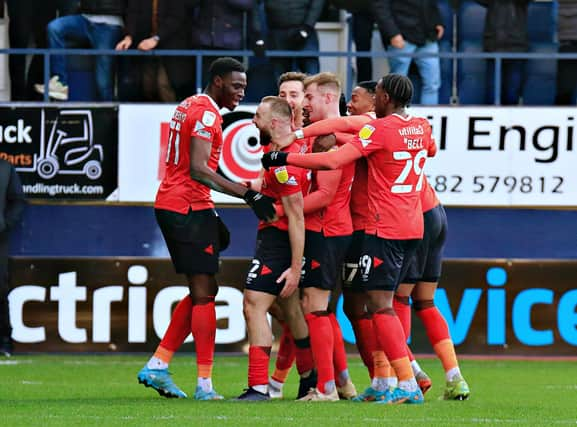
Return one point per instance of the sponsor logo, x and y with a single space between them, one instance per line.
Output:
208 118
18 134
281 175
366 132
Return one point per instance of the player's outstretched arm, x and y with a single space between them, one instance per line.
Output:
330 160
293 207
262 205
347 124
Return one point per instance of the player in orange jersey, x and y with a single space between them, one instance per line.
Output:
191 227
396 146
276 266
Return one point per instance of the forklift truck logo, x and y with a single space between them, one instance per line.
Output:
69 148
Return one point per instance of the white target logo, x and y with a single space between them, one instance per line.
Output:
241 151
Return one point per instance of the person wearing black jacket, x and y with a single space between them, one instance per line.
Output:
413 26
506 31
291 26
362 25
99 25
567 68
156 24
12 205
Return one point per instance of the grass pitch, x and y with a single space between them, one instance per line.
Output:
79 390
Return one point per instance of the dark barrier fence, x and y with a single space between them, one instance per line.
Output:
206 55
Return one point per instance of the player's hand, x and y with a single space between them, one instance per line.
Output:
274 158
263 206
291 282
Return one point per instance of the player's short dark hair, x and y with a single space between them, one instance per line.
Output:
222 66
368 85
399 88
291 76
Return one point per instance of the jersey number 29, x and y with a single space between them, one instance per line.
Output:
411 164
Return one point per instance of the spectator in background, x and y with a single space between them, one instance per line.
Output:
28 21
363 24
99 25
12 205
152 24
413 26
221 25
290 26
567 68
506 31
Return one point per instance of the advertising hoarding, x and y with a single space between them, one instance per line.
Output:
62 153
488 156
495 307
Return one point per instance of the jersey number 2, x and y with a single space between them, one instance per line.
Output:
411 164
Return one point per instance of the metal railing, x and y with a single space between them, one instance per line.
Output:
349 55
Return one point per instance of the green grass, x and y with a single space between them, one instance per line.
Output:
70 390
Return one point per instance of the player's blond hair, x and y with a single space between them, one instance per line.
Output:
278 106
325 81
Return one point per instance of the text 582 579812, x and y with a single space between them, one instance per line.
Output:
489 184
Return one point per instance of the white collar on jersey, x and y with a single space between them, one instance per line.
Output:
211 100
409 117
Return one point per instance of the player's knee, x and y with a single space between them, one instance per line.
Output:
353 311
422 304
399 299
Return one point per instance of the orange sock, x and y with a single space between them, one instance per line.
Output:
383 368
285 356
258 360
438 333
163 354
402 368
322 344
203 328
178 330
391 339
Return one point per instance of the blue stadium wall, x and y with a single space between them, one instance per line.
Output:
105 230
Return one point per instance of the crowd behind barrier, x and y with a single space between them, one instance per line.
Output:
463 52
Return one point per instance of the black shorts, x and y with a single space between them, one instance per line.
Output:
426 264
350 271
384 262
323 259
192 239
272 257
